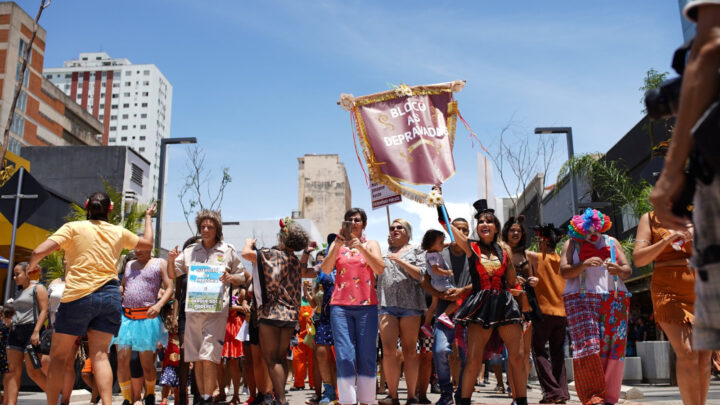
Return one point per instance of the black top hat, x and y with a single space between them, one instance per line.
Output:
481 207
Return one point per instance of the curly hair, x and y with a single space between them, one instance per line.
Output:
519 220
294 237
213 216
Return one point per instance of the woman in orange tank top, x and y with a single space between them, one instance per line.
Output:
673 297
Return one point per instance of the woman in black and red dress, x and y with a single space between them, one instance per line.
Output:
490 304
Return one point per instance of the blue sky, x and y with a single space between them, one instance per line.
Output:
257 82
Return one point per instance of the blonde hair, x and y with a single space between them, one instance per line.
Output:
405 224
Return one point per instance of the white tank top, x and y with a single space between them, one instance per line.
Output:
593 279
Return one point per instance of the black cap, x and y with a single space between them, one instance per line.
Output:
481 207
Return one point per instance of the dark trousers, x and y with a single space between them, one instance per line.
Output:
183 376
550 369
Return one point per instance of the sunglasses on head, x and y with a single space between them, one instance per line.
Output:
397 228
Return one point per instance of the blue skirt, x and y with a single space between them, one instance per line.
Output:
142 335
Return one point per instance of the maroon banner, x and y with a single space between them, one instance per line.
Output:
407 135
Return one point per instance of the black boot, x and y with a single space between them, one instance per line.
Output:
521 401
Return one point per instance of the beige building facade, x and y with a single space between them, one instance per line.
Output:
323 191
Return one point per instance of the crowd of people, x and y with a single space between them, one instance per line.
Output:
347 313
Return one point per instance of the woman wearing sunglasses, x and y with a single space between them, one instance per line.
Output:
402 304
353 309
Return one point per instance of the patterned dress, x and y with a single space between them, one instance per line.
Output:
280 285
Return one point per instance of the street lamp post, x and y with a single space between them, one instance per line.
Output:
568 132
161 182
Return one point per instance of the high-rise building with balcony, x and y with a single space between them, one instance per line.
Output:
133 101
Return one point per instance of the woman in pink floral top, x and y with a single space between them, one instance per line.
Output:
354 312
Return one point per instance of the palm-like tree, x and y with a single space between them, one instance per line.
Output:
609 182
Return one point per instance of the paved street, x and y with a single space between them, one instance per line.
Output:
656 394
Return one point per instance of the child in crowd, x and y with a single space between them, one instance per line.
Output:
169 378
441 278
232 350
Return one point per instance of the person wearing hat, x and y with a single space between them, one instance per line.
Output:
553 325
596 303
490 305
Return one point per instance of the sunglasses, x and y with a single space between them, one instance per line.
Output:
397 228
355 220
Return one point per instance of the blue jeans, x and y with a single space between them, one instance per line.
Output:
355 329
442 348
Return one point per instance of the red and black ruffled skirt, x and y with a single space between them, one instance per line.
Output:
489 308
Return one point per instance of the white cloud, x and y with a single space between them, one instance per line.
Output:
421 217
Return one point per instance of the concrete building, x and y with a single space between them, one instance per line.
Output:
43 116
84 168
323 191
133 101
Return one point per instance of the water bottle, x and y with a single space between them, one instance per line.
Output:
34 359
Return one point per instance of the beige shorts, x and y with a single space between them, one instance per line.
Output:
204 336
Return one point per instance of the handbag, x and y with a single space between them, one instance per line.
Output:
45 340
43 346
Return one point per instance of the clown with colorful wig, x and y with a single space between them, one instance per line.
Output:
596 304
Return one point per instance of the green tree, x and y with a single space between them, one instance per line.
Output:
609 182
652 80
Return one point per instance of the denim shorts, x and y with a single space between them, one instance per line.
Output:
398 312
19 336
101 311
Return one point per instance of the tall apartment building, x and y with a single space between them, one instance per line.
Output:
43 116
323 191
133 102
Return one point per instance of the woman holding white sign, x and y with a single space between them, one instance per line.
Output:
212 266
279 272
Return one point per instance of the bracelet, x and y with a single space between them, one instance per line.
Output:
642 240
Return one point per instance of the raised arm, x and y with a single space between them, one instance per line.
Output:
172 256
248 251
146 241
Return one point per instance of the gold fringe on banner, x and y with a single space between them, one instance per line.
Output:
376 175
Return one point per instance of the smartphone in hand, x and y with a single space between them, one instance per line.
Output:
346 230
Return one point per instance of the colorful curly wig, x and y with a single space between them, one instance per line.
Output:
580 225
